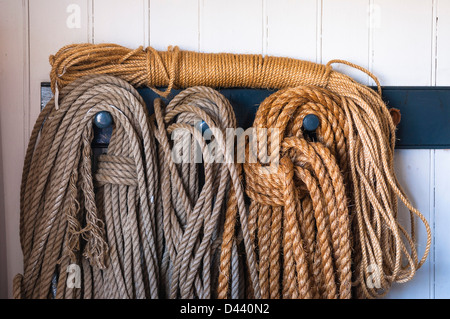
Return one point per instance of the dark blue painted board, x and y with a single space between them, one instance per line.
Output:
425 112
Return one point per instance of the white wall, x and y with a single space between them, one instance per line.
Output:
404 42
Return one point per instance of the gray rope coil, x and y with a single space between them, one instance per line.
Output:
192 214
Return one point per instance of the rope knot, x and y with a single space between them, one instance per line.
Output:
266 184
119 170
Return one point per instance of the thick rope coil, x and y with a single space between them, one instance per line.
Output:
300 214
182 69
193 213
109 235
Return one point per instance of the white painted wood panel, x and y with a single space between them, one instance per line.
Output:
349 39
232 26
442 225
443 43
13 98
121 22
291 28
415 172
52 25
401 49
174 22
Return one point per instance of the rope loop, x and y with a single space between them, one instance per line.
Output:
357 67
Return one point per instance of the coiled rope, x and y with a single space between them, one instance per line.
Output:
192 214
183 69
302 213
322 221
111 233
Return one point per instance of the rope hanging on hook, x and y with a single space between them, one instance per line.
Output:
192 213
103 224
330 196
323 209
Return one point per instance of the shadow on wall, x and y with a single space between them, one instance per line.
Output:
3 283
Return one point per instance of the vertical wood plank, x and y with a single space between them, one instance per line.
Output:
346 38
13 98
231 26
442 225
52 25
174 22
402 39
292 28
443 43
120 22
442 200
401 54
414 171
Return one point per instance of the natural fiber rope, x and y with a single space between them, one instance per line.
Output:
175 68
328 209
300 212
155 231
113 236
192 214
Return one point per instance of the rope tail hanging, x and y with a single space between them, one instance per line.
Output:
322 220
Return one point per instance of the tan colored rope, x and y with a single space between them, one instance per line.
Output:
109 233
142 226
182 69
300 212
327 213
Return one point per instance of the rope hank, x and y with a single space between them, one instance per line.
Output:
193 213
331 200
183 69
108 234
299 213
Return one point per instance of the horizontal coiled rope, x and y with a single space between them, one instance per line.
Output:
183 69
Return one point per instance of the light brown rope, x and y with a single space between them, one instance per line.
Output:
329 208
307 192
142 226
182 69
